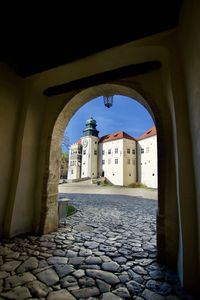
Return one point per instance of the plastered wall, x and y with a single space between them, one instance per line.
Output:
147 168
10 114
189 35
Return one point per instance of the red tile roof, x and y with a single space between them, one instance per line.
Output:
78 142
151 132
115 136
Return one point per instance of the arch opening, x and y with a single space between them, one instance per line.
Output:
111 140
167 229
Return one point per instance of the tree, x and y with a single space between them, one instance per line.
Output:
65 142
64 156
64 165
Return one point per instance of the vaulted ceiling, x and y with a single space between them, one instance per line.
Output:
34 39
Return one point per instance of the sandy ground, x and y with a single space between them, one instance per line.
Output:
86 187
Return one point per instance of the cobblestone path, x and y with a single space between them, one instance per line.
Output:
107 250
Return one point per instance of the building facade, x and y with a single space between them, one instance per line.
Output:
75 158
117 153
119 157
147 158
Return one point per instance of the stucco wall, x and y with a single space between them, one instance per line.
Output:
74 164
129 162
10 110
112 171
89 159
148 162
190 50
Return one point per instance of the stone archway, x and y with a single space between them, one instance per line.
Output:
167 225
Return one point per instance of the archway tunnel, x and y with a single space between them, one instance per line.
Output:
40 107
167 249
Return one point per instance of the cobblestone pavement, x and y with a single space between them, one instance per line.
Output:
107 250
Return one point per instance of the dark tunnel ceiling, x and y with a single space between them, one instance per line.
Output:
35 39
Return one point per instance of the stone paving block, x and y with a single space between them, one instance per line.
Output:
114 260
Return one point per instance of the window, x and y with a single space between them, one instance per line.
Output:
72 172
83 173
133 161
116 161
109 161
133 151
83 163
84 152
128 151
103 152
116 150
103 162
95 152
95 142
147 149
128 161
109 151
142 150
129 174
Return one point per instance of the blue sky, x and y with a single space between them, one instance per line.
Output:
126 115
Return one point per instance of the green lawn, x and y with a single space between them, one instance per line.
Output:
70 210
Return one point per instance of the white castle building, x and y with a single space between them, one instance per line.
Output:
119 157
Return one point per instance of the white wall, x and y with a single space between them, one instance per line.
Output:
147 162
112 171
130 162
117 173
74 166
89 159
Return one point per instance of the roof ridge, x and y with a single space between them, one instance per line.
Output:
148 133
115 135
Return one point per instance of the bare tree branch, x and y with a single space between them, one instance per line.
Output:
65 143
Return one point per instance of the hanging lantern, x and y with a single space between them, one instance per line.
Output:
108 101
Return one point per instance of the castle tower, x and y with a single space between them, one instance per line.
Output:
89 142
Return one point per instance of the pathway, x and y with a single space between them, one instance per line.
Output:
106 251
